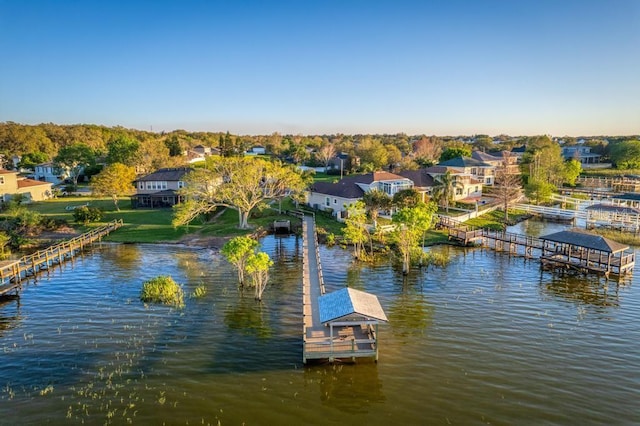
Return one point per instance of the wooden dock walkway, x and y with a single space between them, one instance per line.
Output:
13 272
344 340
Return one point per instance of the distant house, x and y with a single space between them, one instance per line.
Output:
159 189
341 162
201 149
581 153
49 172
479 170
200 153
256 150
32 190
518 152
336 197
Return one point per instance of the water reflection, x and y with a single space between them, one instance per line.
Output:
410 314
248 316
350 389
9 313
583 289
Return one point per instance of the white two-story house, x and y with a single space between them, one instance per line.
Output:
336 197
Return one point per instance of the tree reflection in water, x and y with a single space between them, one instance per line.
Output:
249 317
351 388
8 319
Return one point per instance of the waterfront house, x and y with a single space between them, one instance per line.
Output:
32 190
466 186
159 189
336 197
477 169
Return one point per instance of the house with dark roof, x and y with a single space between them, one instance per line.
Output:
477 169
423 181
581 153
498 160
336 197
518 151
160 188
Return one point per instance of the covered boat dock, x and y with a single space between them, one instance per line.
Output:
586 252
337 326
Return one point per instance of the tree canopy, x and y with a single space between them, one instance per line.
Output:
455 152
114 181
123 150
75 158
240 183
626 154
411 224
237 251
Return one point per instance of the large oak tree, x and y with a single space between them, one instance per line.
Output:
240 183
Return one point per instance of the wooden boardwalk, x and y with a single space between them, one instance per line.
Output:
319 341
13 272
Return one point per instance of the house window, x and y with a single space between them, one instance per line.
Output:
180 184
140 185
488 181
474 171
1 180
335 201
327 201
476 190
458 191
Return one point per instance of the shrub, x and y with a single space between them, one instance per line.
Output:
87 214
162 289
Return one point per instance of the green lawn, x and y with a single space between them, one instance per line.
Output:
140 226
152 226
609 172
323 177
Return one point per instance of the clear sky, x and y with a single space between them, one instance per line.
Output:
560 67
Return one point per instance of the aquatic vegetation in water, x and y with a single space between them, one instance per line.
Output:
199 292
162 289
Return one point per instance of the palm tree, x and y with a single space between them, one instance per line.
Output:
444 190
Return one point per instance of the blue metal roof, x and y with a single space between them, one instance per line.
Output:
349 302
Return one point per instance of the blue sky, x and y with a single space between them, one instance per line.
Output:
559 67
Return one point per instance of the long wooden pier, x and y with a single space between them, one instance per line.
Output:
13 272
574 250
346 338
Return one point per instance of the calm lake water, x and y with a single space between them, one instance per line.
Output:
487 340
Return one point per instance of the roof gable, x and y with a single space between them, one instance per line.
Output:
349 301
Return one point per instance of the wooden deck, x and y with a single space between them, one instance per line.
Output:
13 272
341 341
